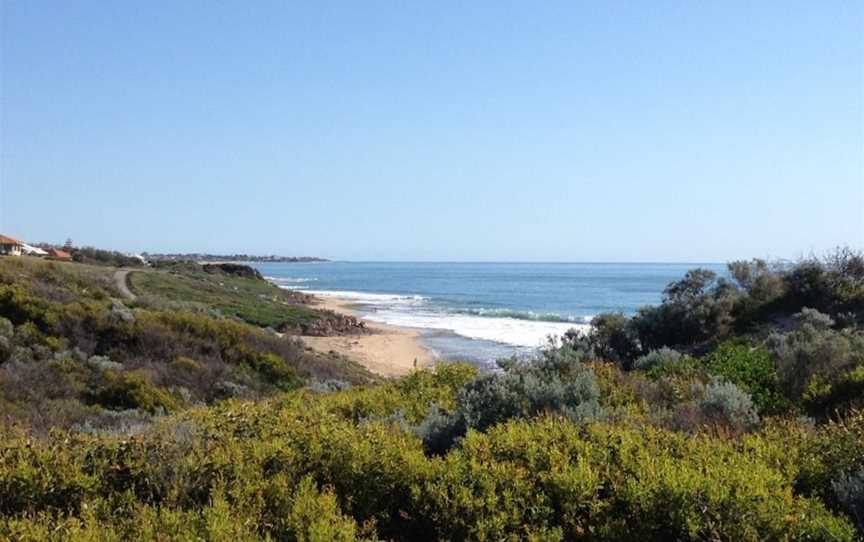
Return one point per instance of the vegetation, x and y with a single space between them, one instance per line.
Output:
791 335
346 465
732 411
96 256
258 302
73 355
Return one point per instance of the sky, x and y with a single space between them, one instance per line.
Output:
480 131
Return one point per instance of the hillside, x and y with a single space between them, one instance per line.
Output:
74 353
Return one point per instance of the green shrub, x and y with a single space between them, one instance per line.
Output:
548 479
814 350
836 448
837 394
315 516
556 382
750 368
37 477
130 390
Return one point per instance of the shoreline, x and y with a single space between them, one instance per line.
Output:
388 351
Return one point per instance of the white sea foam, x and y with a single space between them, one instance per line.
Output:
366 298
528 333
412 311
283 281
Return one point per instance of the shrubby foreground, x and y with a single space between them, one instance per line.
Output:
347 465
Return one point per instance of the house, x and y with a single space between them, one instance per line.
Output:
10 247
58 254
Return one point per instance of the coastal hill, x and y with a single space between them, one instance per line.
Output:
732 410
79 349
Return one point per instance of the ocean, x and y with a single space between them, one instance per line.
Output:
483 311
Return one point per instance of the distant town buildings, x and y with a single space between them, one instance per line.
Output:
13 247
198 257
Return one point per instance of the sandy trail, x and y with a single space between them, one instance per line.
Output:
122 283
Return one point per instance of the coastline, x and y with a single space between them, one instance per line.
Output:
388 351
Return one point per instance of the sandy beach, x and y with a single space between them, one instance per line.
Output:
389 351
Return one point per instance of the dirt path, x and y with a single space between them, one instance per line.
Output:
121 281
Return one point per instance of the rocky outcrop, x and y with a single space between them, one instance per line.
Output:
332 325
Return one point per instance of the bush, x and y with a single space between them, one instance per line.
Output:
833 285
695 309
131 390
556 382
849 492
304 466
836 395
813 350
548 479
726 401
314 516
98 256
752 369
658 358
610 338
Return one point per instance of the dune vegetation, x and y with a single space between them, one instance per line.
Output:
730 411
75 354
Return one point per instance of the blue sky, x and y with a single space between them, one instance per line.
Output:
602 131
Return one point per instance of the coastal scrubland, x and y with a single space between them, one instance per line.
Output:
74 353
730 411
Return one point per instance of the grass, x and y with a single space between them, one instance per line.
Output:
254 301
24 267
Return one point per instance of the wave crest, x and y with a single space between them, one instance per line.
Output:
524 315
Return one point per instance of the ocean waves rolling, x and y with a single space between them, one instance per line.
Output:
505 326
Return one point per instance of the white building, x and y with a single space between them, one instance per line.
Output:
10 247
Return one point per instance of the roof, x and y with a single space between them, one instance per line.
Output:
9 241
33 250
58 253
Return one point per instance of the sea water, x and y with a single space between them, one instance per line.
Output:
483 311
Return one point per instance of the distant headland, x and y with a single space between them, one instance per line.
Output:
231 258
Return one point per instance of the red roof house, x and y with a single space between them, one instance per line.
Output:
10 247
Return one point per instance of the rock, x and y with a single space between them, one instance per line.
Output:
104 363
120 312
334 325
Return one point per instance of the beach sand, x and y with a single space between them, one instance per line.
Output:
389 351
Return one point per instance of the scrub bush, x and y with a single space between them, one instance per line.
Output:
657 358
849 492
728 402
555 382
750 368
814 350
